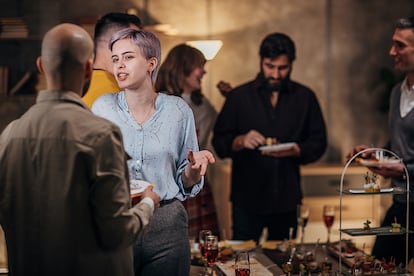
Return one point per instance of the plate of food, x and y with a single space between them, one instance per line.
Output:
373 162
359 260
378 231
277 147
364 191
138 186
347 249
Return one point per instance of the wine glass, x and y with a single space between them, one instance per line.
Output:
201 244
328 218
201 239
211 249
303 216
242 264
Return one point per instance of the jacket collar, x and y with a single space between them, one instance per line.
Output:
58 95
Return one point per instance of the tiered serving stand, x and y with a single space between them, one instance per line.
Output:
377 231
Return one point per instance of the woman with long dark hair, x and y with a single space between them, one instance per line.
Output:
181 75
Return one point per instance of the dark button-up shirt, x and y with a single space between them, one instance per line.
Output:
263 184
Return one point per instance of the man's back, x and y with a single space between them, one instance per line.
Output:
49 199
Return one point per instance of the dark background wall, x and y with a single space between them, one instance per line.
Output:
342 48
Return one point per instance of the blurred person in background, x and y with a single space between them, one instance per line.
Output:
64 186
181 74
270 109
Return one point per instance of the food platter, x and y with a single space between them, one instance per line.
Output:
346 250
362 263
378 231
376 163
362 191
277 147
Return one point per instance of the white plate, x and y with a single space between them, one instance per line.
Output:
361 191
138 186
277 147
376 163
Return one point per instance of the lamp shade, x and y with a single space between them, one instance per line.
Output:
209 48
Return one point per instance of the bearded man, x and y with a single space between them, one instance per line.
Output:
271 109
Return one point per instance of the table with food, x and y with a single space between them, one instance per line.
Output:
258 263
290 258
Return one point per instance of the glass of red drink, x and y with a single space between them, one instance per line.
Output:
328 219
202 246
242 264
211 249
201 240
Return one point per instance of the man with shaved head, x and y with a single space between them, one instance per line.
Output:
64 188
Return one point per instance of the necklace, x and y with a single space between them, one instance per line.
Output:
147 113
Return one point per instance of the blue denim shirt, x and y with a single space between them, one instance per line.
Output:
158 148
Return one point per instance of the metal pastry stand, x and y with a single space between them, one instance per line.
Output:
407 192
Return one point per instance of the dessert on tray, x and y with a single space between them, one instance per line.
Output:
367 224
371 183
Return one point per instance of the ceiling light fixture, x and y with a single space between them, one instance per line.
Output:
209 47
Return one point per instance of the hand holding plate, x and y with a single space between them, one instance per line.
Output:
148 192
388 169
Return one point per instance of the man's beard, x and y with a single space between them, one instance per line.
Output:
280 86
270 85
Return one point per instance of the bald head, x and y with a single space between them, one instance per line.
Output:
66 57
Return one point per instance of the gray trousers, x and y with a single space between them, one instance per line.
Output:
165 248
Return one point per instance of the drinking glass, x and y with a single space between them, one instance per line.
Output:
211 249
201 244
242 264
201 239
303 216
328 218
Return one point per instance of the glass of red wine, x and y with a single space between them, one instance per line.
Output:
242 264
201 240
202 246
211 249
328 218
